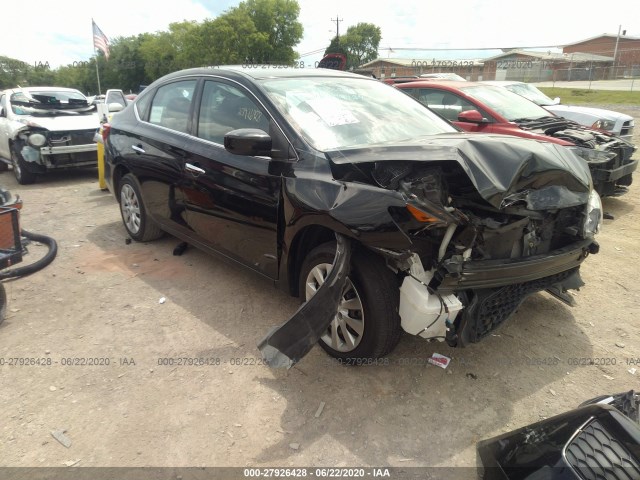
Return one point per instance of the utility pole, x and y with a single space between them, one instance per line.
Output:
615 52
337 20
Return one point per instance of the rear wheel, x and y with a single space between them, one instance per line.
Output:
367 324
134 214
23 176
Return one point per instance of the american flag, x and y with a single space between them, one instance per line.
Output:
100 40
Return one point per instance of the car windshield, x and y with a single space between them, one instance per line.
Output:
34 102
530 92
508 104
336 113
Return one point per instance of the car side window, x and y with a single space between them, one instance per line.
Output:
142 105
447 104
225 108
3 104
116 97
171 105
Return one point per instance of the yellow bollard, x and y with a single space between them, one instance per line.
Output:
101 183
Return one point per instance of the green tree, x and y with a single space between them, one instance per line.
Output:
336 46
13 72
278 28
256 30
360 43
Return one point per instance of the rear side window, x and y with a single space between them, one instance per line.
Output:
171 105
225 108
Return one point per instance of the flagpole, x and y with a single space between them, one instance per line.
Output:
96 55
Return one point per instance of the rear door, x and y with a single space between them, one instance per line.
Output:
154 152
231 200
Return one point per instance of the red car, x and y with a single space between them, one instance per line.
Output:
476 107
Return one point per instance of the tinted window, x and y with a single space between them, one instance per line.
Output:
225 108
171 105
445 103
142 105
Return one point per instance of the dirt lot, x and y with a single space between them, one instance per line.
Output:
100 300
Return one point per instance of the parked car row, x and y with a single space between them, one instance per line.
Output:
478 107
383 215
348 193
619 124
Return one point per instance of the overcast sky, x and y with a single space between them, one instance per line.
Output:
59 31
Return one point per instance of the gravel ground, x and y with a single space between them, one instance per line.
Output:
100 300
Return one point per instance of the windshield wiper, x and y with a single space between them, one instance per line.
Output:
537 119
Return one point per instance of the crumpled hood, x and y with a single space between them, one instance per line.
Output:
498 165
588 112
63 122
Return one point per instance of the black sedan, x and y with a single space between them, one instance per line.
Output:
354 196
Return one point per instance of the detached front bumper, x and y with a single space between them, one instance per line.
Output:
459 275
613 174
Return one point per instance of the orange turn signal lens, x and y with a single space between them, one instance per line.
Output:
422 216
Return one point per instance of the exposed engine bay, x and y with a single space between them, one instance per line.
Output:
470 227
451 226
608 156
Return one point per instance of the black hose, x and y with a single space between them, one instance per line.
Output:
35 266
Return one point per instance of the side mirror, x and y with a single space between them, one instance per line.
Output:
248 141
471 116
556 101
115 107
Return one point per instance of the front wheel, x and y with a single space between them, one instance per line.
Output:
134 214
23 176
367 324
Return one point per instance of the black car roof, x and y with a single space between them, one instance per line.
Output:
260 71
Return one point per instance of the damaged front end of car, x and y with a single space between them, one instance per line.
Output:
42 149
609 157
470 225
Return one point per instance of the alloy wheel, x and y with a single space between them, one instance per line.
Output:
347 327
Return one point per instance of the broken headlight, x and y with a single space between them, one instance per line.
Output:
592 155
604 124
37 140
593 220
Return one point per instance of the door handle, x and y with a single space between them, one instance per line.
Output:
137 148
193 169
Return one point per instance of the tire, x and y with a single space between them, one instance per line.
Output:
23 176
3 166
373 293
134 214
3 303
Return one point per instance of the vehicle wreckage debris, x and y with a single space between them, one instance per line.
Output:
286 345
439 360
61 437
319 411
